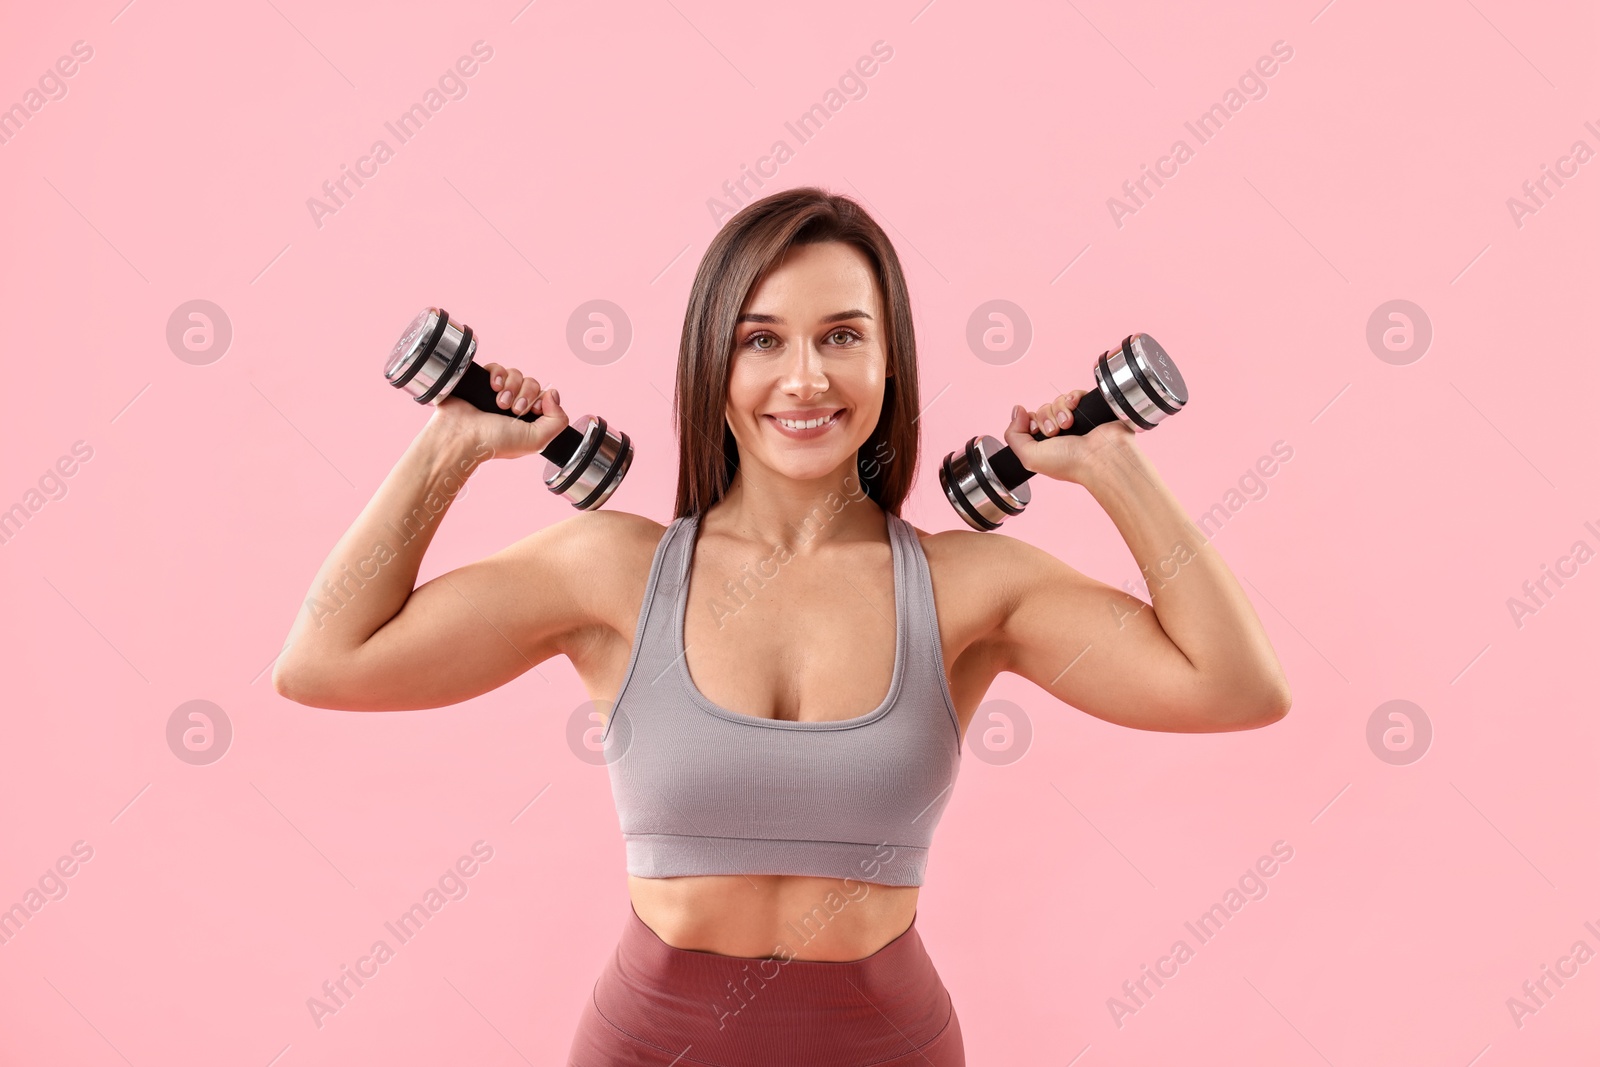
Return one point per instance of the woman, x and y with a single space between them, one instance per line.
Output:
787 702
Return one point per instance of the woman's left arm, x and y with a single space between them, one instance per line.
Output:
1196 659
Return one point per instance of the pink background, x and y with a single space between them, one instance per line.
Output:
1418 500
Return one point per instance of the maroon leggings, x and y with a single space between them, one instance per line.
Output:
655 1005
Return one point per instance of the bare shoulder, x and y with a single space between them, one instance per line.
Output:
590 570
958 547
595 549
986 572
988 555
613 530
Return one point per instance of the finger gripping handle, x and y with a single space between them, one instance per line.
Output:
477 389
1091 411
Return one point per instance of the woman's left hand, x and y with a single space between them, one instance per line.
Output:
1068 458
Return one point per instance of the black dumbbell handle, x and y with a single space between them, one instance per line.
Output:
476 389
1091 411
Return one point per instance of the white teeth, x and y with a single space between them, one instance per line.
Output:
807 424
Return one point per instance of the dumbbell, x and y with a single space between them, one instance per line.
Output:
1137 383
433 359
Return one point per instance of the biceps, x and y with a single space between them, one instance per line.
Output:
1102 651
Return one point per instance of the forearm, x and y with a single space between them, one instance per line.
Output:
373 568
1196 598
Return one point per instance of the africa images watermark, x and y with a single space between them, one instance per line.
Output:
52 86
851 86
1251 86
337 594
52 885
52 486
812 923
1531 1001
1252 486
451 85
1565 567
1252 885
738 593
451 885
1538 190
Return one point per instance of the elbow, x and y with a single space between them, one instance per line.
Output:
329 687
286 682
1278 700
1234 713
1273 711
288 672
295 682
1270 708
312 677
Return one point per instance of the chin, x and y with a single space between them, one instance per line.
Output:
807 472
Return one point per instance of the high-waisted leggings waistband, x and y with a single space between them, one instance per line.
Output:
657 1004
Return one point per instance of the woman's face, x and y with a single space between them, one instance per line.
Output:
808 348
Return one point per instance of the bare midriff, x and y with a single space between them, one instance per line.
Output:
774 916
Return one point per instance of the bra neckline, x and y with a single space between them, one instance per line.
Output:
901 601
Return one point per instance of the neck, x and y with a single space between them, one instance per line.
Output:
798 515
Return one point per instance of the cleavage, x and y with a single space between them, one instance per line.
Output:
831 660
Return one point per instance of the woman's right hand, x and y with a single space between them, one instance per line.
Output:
508 437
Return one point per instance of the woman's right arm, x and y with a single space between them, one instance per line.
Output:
367 640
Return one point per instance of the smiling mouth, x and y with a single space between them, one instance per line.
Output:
807 424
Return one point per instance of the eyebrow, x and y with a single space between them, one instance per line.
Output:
837 316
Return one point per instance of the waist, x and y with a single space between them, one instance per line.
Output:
764 916
721 1004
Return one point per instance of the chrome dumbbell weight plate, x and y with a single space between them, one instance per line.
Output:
1136 383
433 359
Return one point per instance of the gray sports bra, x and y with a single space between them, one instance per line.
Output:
703 790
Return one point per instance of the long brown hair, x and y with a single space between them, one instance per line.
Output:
747 246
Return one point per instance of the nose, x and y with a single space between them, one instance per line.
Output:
803 375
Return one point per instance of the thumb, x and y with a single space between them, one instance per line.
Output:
1020 440
552 418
